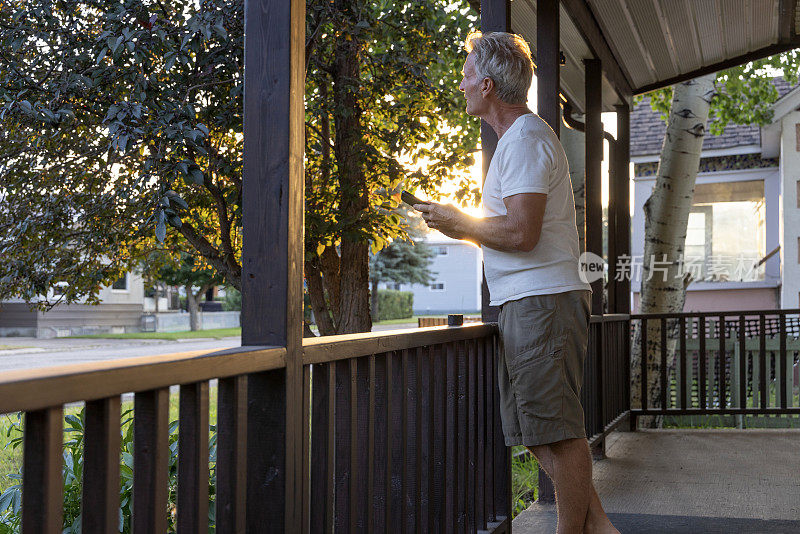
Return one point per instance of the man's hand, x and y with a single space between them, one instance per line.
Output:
445 218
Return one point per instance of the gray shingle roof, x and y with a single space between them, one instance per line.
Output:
647 129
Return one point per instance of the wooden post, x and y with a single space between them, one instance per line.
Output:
594 157
495 17
272 257
622 214
549 109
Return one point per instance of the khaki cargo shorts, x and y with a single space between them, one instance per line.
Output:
543 341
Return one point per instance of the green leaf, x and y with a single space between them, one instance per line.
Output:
196 176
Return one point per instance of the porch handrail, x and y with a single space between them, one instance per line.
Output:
347 346
36 389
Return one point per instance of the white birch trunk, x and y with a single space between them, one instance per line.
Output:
666 218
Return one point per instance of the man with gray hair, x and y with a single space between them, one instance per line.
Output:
530 252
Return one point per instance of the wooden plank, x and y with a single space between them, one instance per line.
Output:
150 460
643 359
548 63
231 455
785 367
306 456
664 382
371 447
424 437
331 348
35 389
721 363
593 180
331 452
394 468
410 474
584 20
272 255
502 454
343 446
685 376
742 365
762 363
359 439
472 437
702 360
462 440
481 512
380 455
451 437
267 466
437 500
193 432
42 484
100 499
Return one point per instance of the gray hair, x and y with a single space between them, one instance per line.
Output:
506 59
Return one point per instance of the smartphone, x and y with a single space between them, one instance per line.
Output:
410 199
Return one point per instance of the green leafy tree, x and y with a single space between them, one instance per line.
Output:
121 129
401 262
195 277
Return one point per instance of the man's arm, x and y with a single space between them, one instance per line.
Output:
517 231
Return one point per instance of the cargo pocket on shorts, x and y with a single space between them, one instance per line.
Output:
538 380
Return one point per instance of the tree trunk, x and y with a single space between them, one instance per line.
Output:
191 307
353 200
374 298
666 218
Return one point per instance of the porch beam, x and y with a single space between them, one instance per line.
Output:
495 17
584 20
594 157
620 206
548 81
722 65
786 13
272 257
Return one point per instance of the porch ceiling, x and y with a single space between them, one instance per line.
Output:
649 44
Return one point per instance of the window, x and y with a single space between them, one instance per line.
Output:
441 250
437 286
726 234
121 284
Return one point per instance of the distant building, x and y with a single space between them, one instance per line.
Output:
120 311
456 285
743 237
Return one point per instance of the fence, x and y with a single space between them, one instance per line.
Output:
401 429
737 362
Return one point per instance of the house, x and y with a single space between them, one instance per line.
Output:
457 276
120 311
742 237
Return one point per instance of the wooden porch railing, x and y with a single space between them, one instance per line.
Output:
401 433
738 362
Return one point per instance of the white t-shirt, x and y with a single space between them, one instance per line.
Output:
530 159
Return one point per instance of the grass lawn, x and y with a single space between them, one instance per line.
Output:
12 347
412 319
216 333
524 480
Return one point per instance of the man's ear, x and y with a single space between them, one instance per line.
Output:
487 85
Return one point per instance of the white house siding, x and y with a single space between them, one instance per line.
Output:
790 229
460 272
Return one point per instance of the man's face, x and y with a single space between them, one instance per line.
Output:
471 86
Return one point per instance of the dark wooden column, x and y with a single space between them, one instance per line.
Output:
594 158
272 257
548 82
620 193
548 107
495 17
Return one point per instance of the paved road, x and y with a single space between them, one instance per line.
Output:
31 353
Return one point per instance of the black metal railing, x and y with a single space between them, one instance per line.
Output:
737 362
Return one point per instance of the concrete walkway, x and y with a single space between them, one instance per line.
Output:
694 481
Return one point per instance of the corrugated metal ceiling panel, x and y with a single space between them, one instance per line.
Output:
647 23
737 26
709 30
625 44
679 23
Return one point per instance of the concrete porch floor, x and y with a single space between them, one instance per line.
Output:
693 481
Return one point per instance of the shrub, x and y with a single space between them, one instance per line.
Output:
395 304
10 500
